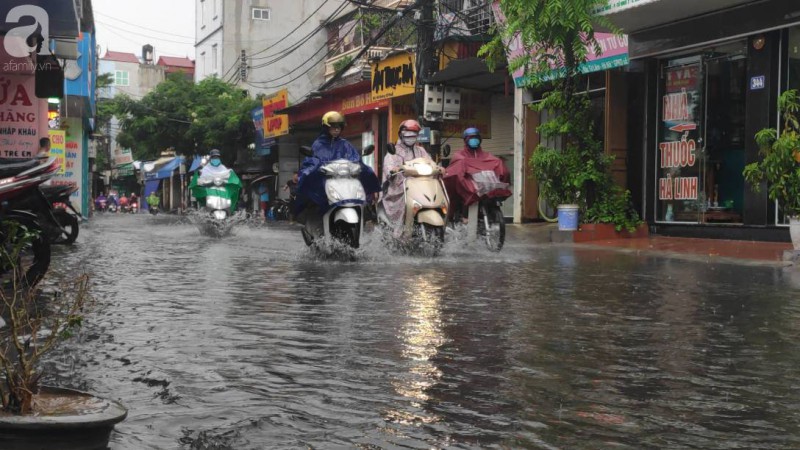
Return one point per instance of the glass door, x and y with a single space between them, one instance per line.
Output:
700 154
679 166
723 153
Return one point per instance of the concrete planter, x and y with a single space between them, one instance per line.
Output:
794 231
604 231
74 421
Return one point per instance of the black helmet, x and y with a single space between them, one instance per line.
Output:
214 153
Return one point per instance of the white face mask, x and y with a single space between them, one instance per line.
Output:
409 139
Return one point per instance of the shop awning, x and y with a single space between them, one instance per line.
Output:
637 15
614 52
471 73
151 186
196 162
162 168
348 99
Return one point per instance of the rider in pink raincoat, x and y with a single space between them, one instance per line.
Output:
406 149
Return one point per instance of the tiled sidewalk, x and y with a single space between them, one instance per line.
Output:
757 252
713 248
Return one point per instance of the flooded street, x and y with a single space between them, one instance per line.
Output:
249 342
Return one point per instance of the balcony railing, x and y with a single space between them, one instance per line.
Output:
372 53
393 4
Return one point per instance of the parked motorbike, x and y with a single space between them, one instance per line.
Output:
19 184
426 202
64 212
279 210
341 218
218 193
59 227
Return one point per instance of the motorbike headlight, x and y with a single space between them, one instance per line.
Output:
220 214
331 191
423 169
218 181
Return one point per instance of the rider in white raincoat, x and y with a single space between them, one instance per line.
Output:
214 165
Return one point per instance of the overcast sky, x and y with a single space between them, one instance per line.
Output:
125 26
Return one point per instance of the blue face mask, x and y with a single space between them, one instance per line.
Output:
473 143
215 162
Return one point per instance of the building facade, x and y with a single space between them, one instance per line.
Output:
49 94
709 75
263 45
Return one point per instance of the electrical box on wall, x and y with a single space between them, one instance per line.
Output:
442 103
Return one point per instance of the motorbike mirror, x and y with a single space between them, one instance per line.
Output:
368 150
446 150
390 149
306 150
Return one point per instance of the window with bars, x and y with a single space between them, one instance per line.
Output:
121 78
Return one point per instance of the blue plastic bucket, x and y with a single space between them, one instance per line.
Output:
568 217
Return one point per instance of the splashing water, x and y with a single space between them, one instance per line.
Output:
209 226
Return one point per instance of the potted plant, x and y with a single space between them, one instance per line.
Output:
555 39
779 166
33 416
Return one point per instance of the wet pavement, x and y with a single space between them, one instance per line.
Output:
250 342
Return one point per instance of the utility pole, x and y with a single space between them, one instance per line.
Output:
424 54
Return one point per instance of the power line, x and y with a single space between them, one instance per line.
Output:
405 39
142 34
234 78
400 14
287 51
306 61
145 28
295 28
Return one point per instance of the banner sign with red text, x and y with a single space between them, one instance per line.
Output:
276 124
20 117
679 189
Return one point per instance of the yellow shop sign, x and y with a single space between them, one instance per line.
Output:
393 77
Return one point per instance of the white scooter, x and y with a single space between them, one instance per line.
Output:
344 221
426 203
220 191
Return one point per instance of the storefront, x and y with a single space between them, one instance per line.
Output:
712 79
367 122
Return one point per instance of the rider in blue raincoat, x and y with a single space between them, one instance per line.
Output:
328 147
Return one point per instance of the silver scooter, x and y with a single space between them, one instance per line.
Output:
344 220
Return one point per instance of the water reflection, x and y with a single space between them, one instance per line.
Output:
249 342
421 336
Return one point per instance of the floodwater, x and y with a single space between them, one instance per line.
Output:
250 342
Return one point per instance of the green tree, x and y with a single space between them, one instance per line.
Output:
558 36
221 118
159 120
106 109
187 117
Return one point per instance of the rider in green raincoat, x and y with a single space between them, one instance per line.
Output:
216 170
